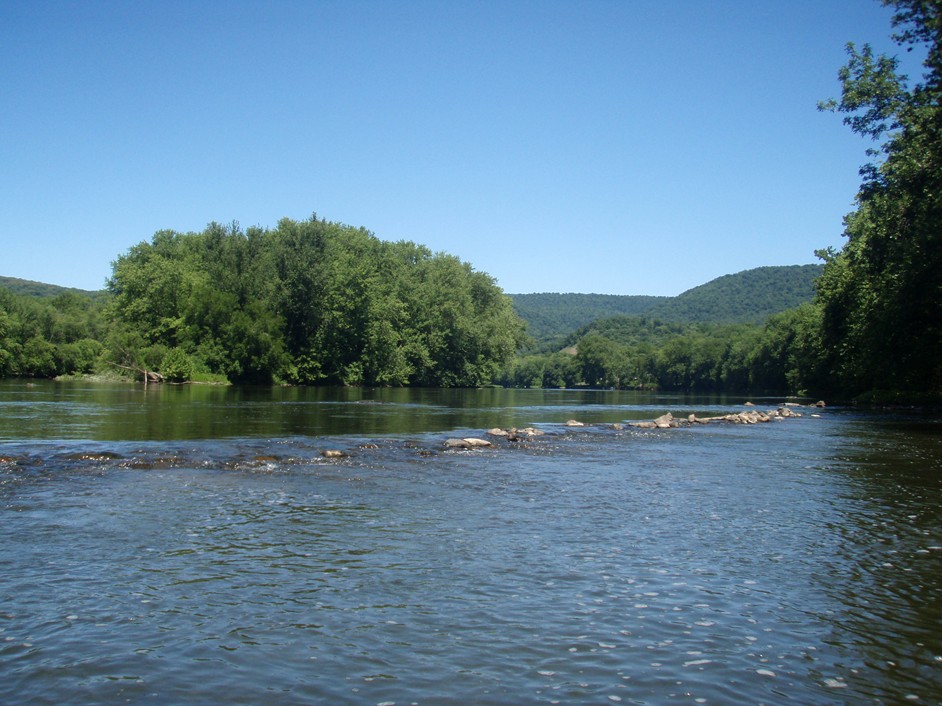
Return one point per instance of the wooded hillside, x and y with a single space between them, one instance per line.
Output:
748 297
751 296
552 316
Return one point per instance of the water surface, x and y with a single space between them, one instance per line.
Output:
192 545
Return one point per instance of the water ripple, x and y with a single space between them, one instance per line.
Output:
795 563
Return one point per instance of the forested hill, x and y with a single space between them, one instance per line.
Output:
550 316
750 296
28 288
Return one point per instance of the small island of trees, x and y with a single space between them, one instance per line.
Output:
309 302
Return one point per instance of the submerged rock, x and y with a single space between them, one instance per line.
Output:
574 423
332 453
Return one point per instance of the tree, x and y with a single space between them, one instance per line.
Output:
881 295
177 366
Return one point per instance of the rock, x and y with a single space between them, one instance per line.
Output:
470 443
617 427
644 425
820 403
574 423
749 404
498 432
753 417
665 421
530 431
332 453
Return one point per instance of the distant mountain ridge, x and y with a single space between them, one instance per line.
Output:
747 297
750 296
551 315
29 288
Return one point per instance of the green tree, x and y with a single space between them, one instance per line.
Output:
176 366
881 295
602 361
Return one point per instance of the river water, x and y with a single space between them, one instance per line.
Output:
191 545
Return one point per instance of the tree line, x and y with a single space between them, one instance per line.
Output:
308 302
646 353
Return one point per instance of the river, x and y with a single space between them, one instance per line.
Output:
192 545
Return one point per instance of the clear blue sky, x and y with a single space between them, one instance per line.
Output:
630 147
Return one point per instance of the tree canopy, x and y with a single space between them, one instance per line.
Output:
881 294
309 302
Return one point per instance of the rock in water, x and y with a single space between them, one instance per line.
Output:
470 443
665 421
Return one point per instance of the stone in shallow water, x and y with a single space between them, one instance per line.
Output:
665 421
470 443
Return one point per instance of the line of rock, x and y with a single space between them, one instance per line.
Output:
665 421
669 421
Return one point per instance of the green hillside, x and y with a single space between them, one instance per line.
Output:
636 331
551 316
28 288
750 296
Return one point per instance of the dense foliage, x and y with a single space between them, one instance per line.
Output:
645 353
308 302
49 336
881 295
316 302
